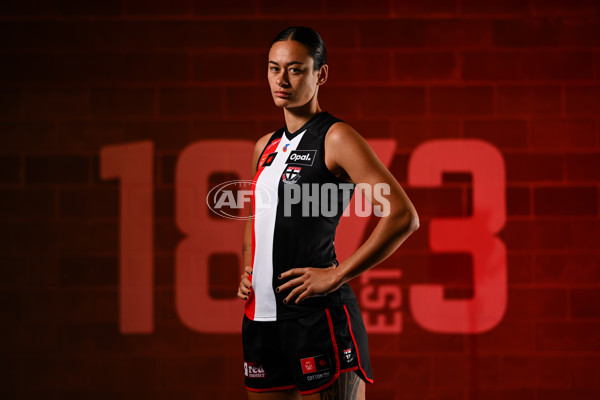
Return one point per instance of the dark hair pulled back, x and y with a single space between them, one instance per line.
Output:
309 38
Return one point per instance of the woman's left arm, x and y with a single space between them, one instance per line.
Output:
347 151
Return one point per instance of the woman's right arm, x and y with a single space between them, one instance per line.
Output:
245 284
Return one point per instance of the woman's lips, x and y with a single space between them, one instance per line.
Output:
282 94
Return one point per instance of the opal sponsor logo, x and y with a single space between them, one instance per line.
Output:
302 157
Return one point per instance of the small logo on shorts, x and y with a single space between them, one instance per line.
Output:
348 356
253 370
315 364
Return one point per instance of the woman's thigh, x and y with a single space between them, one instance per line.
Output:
284 395
349 386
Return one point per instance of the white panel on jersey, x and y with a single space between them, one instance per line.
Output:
264 229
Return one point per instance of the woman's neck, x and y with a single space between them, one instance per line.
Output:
296 117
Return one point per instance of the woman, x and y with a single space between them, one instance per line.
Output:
303 334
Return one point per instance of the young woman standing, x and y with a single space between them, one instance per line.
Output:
303 334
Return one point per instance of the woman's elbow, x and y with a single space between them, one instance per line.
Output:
413 222
406 222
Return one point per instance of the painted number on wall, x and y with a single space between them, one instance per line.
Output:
380 294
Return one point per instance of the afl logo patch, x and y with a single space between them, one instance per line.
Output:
291 174
304 157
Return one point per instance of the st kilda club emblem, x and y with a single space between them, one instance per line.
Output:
291 174
348 355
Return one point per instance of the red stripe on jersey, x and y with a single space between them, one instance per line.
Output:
250 306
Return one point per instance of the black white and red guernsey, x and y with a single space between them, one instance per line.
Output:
289 237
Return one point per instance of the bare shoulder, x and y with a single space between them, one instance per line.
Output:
343 141
258 148
340 132
344 146
262 141
349 155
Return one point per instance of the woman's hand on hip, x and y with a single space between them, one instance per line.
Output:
245 284
309 282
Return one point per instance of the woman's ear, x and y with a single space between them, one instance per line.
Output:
323 73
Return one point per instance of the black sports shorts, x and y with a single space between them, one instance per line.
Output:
308 352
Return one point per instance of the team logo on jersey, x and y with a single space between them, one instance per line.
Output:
304 157
314 364
285 147
268 159
291 174
253 370
348 355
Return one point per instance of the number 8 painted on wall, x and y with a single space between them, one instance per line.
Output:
475 235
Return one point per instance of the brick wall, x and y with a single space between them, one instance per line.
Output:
78 76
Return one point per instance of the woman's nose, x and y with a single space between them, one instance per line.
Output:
281 79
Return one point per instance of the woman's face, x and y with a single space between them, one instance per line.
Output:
292 79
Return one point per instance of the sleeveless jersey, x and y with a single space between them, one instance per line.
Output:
299 228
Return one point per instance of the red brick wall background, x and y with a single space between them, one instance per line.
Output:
79 75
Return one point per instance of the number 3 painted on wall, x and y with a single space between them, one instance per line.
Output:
475 235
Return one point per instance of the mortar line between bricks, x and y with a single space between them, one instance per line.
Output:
22 158
569 316
565 169
226 50
258 17
529 130
243 118
156 101
563 100
541 218
495 113
597 132
540 285
459 8
427 100
396 84
552 251
57 190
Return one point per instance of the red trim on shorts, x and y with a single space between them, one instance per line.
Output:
356 347
337 359
271 389
348 369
